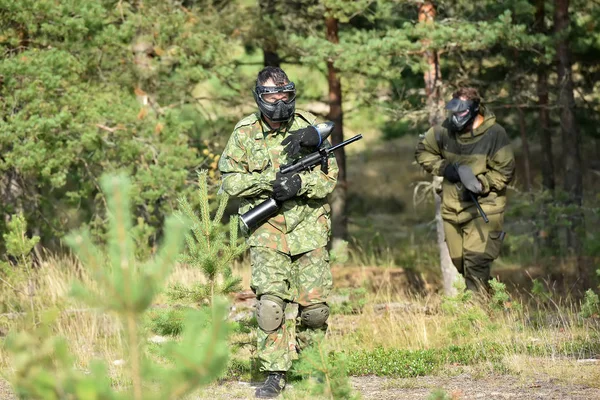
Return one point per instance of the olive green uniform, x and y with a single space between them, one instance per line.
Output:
472 243
289 261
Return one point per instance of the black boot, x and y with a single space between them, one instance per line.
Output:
272 387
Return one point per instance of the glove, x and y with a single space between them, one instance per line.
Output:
285 186
451 173
469 180
305 137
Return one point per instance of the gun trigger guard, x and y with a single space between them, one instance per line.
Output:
324 164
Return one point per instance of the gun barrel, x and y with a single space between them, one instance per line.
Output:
344 143
302 164
481 212
313 159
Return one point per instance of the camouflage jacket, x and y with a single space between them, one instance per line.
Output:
486 150
248 165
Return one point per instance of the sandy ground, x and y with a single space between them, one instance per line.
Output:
464 386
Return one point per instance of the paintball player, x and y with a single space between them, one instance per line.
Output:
288 256
473 154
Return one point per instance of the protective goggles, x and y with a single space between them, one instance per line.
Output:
272 94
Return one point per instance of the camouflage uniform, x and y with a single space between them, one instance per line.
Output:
288 255
473 244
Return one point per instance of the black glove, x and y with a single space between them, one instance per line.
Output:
305 137
285 186
469 180
451 173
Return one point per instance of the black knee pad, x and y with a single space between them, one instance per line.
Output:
315 316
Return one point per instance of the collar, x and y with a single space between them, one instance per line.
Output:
267 130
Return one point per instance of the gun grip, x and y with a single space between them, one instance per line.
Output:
324 165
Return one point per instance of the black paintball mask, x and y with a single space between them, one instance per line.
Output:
462 113
277 103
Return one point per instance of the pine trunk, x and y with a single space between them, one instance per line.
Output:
338 201
548 181
270 55
525 147
271 58
571 140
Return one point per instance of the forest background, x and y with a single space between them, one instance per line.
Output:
153 88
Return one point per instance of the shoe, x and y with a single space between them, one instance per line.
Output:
272 387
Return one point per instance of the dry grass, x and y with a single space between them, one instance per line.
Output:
43 295
535 340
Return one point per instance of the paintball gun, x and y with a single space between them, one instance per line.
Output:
265 210
481 212
466 181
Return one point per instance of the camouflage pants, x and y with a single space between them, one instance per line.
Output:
473 246
300 281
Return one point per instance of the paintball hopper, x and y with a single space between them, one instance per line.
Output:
324 129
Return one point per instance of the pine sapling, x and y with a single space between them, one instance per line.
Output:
325 372
208 248
126 287
18 267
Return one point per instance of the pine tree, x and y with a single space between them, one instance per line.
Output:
89 87
325 372
208 249
126 287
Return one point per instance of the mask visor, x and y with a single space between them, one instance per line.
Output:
273 94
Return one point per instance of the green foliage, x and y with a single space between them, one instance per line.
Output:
500 299
167 322
412 363
470 317
354 300
541 221
16 267
16 241
48 372
392 362
325 371
339 255
397 129
439 394
208 249
18 247
538 290
95 87
126 287
591 305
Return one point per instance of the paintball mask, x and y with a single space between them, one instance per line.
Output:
277 103
462 112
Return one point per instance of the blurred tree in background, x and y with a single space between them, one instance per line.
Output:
89 87
154 88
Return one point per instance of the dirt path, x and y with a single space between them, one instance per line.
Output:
461 387
465 387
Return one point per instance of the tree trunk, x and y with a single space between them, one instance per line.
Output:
525 146
270 45
12 194
435 104
271 58
571 141
548 181
338 202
